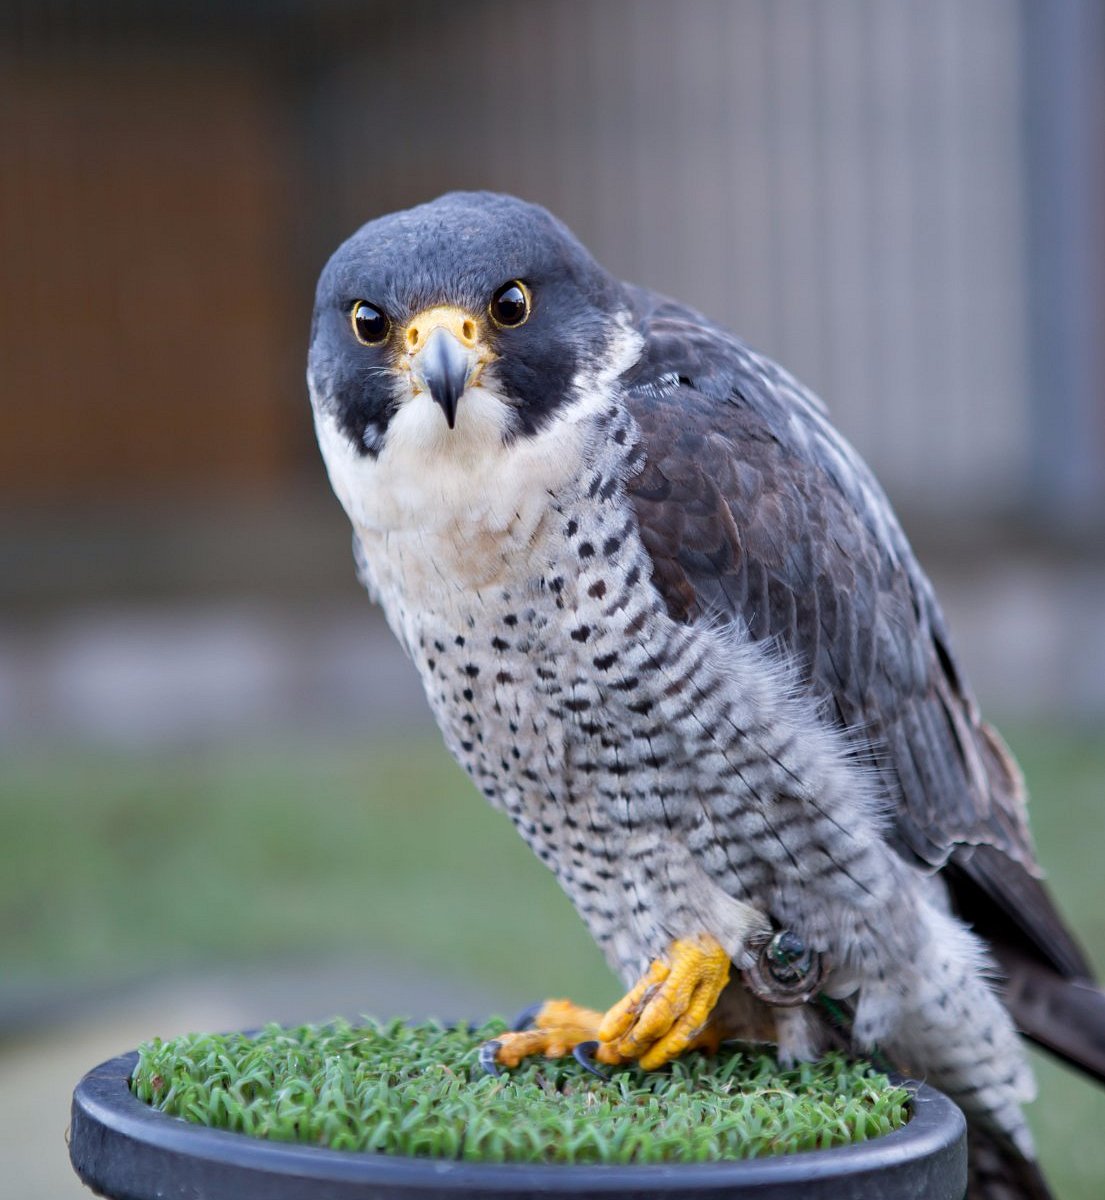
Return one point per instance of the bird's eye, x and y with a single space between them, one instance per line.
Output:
510 304
370 324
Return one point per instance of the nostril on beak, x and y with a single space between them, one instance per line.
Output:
423 325
465 334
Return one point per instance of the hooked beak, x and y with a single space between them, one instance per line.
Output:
444 367
445 356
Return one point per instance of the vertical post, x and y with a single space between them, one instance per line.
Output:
1064 72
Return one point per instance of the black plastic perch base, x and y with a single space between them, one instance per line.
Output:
120 1147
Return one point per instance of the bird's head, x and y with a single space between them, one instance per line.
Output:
476 318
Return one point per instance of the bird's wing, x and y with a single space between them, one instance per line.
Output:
755 510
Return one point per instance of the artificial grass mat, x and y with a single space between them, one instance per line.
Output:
418 1090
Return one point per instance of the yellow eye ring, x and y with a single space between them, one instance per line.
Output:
510 305
370 324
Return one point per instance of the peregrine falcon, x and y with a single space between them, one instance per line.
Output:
667 621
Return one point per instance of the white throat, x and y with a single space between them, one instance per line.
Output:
463 504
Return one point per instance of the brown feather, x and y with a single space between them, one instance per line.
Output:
1066 1016
754 510
996 1171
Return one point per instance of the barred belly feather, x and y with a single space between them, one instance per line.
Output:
675 777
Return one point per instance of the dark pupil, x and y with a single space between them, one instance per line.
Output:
510 305
371 322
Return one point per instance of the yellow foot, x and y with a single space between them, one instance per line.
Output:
665 1013
559 1026
668 1011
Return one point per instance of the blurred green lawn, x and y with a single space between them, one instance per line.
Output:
115 866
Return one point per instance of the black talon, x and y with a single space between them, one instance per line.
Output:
524 1020
487 1057
582 1054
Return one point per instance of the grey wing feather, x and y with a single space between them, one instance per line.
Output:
754 508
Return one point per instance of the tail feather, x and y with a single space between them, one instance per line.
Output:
1065 1016
998 1171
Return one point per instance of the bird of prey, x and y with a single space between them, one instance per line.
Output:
666 619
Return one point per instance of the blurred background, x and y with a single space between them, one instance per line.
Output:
221 797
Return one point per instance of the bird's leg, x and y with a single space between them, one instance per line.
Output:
665 1013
